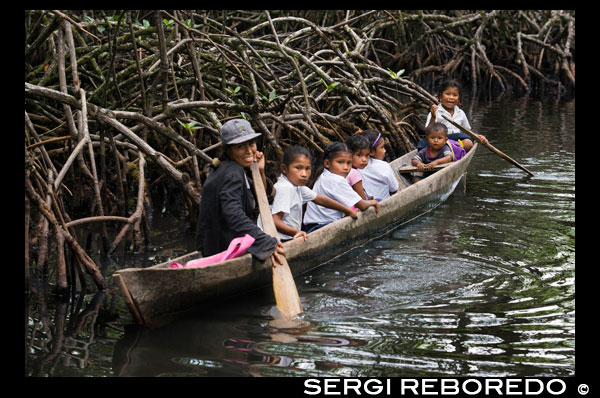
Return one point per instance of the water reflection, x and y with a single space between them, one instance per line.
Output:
60 341
211 345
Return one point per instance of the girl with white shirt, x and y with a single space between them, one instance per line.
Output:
379 180
331 182
291 193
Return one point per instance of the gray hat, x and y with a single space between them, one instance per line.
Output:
236 131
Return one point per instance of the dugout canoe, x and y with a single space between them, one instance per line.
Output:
157 294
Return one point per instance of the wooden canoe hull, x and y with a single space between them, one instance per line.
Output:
158 293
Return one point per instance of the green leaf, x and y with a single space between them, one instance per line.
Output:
272 95
234 91
395 75
330 86
191 126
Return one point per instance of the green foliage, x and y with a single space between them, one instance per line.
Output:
234 91
272 96
396 75
191 126
330 87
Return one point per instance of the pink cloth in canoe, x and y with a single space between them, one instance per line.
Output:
236 248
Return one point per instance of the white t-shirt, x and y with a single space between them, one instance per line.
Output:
459 117
379 179
335 187
289 199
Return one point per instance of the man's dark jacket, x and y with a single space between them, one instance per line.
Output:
227 212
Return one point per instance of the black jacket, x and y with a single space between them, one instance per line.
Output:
227 212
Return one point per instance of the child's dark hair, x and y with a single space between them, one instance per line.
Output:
291 153
333 148
373 136
357 142
330 152
436 127
449 83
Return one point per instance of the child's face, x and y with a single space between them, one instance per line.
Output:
378 152
450 98
360 158
298 171
341 164
436 140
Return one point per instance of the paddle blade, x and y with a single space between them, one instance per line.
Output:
286 294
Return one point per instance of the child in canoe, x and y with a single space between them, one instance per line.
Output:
331 182
450 93
379 180
361 153
291 193
437 151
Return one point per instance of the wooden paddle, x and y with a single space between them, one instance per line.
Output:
286 294
488 146
411 169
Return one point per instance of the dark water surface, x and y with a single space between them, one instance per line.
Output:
483 285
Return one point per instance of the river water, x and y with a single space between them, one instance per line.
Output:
482 285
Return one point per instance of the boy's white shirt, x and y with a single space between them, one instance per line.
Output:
335 187
459 117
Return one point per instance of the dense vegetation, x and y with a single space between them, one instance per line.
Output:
118 102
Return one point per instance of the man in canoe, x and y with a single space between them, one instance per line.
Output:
227 208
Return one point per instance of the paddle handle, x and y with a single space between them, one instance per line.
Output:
263 203
488 145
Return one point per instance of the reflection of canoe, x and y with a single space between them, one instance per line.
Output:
187 346
210 345
158 292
